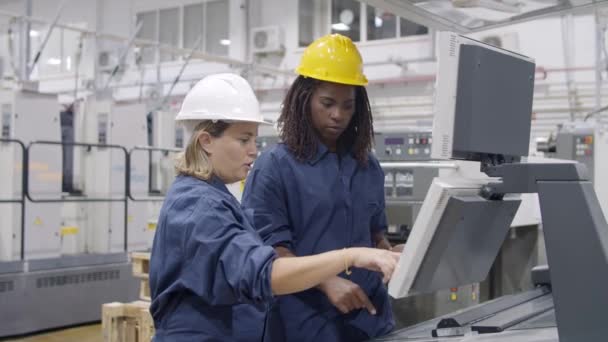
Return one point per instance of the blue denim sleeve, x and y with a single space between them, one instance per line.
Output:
378 222
226 263
265 194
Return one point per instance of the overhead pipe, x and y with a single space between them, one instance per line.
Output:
197 45
123 55
47 36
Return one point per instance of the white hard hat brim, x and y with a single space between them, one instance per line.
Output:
216 117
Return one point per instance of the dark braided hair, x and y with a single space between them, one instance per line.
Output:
298 134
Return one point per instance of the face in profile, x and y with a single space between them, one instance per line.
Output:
332 106
233 152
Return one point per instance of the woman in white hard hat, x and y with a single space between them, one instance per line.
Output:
208 264
322 189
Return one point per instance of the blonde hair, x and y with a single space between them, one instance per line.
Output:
194 161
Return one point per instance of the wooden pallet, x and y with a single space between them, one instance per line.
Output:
141 264
127 322
141 270
144 290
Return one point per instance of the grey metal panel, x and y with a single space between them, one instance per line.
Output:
518 255
11 266
51 299
495 306
79 260
532 335
544 320
524 177
512 316
422 331
422 182
566 148
466 242
399 213
576 238
493 103
541 275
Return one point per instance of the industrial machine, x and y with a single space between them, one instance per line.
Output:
406 180
585 142
466 216
81 189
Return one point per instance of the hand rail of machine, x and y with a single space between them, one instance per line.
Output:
409 165
20 200
123 198
166 151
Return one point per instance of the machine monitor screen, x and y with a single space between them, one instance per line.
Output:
454 240
483 101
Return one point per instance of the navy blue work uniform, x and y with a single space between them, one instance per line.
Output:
327 203
209 269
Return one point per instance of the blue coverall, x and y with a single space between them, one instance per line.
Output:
327 203
209 269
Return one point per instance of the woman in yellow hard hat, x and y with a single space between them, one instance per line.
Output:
321 189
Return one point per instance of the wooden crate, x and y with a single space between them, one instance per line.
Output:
127 322
144 290
141 264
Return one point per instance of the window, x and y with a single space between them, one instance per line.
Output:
148 32
380 24
312 20
345 18
168 32
182 27
357 20
193 25
217 24
409 28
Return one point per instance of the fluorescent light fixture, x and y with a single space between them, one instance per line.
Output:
68 62
53 61
34 33
340 27
225 42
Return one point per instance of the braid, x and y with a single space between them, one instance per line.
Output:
298 134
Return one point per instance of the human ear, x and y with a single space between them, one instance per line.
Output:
206 142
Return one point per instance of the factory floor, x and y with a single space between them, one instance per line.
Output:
84 333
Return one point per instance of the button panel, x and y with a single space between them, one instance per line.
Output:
406 146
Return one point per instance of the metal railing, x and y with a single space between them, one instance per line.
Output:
63 199
21 199
165 151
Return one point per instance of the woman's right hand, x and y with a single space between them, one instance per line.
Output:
374 259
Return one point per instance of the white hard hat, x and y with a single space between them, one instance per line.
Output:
225 97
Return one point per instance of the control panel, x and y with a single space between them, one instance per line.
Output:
577 145
404 187
406 146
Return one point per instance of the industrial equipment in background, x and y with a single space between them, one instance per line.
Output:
406 179
585 142
465 217
82 187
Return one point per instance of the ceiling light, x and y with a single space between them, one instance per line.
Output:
340 27
53 61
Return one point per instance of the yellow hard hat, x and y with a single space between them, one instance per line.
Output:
333 58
